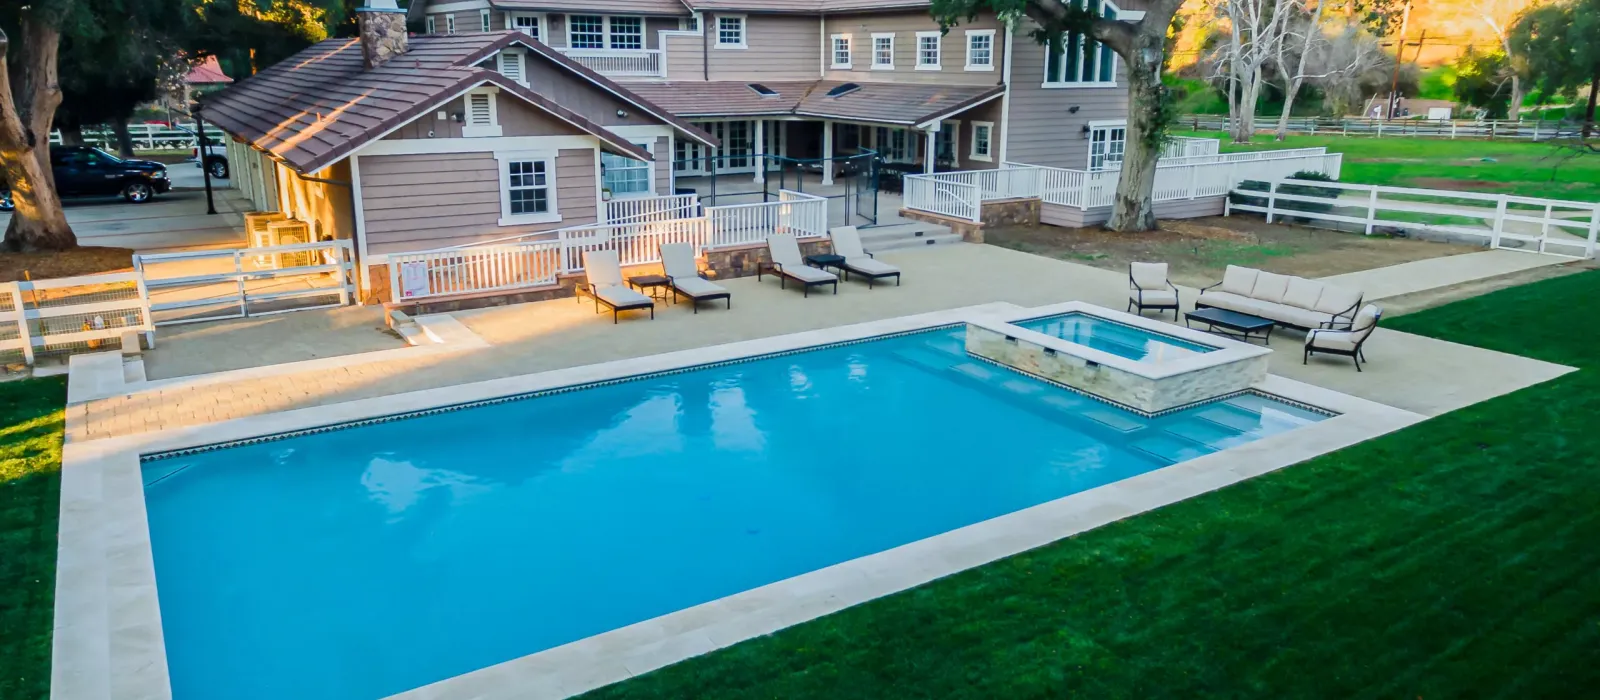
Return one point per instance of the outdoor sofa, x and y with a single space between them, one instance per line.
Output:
847 244
604 284
788 264
1286 300
677 261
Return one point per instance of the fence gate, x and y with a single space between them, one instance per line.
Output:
59 317
210 285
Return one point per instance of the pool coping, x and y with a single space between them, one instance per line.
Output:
108 639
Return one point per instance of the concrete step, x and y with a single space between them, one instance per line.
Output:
906 235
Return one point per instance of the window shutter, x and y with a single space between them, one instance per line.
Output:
478 111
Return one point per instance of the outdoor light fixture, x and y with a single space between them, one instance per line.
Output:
1072 110
459 117
1086 131
622 113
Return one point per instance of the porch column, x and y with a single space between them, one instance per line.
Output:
761 150
929 147
827 152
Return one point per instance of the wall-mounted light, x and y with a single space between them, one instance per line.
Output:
458 117
1072 110
622 114
1086 131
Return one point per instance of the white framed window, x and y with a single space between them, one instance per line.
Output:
512 65
626 33
586 31
430 25
690 23
527 23
626 177
947 145
483 20
730 32
928 50
1108 140
883 51
841 51
528 188
482 116
980 49
1079 60
449 24
894 144
982 141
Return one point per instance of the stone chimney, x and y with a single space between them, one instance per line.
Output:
383 31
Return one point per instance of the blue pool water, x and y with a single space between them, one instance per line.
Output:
367 561
1116 338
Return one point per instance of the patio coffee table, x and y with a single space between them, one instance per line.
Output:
653 285
1240 325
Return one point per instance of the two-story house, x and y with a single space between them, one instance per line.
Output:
819 79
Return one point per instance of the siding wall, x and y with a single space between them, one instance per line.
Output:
468 21
952 51
685 61
1043 130
517 118
780 48
419 202
581 96
326 207
989 112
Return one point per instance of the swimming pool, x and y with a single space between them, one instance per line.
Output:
1118 339
365 561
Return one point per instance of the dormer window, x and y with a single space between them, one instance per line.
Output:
481 116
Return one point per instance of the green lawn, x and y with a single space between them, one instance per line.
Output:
32 417
1455 558
1528 169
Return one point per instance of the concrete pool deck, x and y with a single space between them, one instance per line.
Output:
108 641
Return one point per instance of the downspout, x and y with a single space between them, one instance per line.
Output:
1005 97
705 48
822 57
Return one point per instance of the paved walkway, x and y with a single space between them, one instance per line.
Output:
1410 372
1433 273
176 220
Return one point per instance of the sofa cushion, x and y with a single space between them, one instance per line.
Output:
1148 275
1238 280
1270 287
1304 318
1332 340
1302 293
1235 302
1336 299
1154 297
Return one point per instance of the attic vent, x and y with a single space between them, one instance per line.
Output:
480 111
763 90
511 65
845 89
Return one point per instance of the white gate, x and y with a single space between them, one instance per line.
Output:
209 285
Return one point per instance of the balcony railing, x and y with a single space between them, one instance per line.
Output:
614 63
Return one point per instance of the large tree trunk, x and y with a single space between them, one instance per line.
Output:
119 126
1515 112
1134 208
38 223
1288 105
1588 119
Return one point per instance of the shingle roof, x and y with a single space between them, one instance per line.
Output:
673 8
320 105
885 103
797 6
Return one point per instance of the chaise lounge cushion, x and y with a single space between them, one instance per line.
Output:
697 287
806 273
869 266
622 297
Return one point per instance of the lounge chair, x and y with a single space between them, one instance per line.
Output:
847 243
1149 288
1329 341
677 261
788 265
605 286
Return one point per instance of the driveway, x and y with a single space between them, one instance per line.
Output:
175 220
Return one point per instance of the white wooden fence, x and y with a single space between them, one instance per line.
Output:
1189 146
663 208
71 314
149 137
209 285
1558 227
537 259
1528 130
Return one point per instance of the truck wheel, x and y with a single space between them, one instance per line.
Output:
138 192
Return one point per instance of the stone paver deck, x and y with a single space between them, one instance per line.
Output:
1410 372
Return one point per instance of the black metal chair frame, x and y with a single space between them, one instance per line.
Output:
1354 354
1138 301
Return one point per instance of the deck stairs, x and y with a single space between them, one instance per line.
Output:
909 234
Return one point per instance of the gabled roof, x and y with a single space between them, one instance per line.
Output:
207 72
321 105
906 104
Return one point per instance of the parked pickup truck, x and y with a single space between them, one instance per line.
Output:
82 171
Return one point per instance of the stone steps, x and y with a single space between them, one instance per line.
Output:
906 235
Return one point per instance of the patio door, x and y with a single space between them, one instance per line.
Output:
1107 141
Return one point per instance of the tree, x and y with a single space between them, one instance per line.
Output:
30 91
246 35
1363 69
1143 48
1498 15
1255 36
1559 44
1481 81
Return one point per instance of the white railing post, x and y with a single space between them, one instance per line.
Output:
1372 209
27 337
1594 231
1499 221
1272 195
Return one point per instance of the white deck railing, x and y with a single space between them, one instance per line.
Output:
538 259
1189 146
1554 226
620 62
208 285
946 196
663 208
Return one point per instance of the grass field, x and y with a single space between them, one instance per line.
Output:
32 416
1528 169
1455 558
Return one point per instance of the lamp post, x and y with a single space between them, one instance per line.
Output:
205 170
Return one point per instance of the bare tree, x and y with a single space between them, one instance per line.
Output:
29 94
1499 15
1309 35
1362 68
1255 34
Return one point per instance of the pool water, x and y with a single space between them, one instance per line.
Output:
1116 338
367 561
